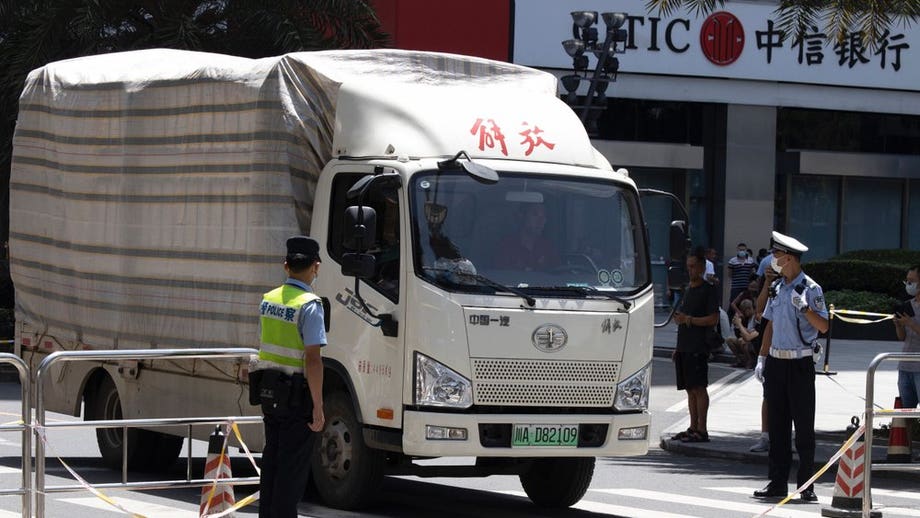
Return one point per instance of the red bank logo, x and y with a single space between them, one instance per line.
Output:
722 38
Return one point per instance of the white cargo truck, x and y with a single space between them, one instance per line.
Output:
485 270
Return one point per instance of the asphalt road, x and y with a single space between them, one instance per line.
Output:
659 485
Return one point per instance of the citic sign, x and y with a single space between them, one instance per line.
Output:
721 36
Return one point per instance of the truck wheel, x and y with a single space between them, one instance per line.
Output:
147 450
558 482
346 472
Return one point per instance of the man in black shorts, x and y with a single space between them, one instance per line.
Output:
698 313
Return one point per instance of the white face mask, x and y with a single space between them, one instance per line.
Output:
774 263
911 288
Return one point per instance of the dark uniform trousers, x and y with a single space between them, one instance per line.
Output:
790 392
285 464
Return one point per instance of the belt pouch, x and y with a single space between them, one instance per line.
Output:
275 391
255 383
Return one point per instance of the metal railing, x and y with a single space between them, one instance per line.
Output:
871 412
23 426
41 489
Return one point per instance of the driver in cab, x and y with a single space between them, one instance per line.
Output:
528 249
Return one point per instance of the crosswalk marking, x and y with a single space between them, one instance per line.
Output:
752 509
826 500
618 510
137 506
898 494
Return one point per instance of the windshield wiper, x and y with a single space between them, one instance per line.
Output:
585 290
488 282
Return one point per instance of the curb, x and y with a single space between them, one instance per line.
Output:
832 440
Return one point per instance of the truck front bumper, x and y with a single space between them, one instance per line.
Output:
625 434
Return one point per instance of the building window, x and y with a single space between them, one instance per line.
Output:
872 214
913 216
812 209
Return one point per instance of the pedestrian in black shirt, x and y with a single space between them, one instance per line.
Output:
698 313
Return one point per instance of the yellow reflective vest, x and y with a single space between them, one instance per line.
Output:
281 344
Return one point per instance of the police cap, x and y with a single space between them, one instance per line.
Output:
787 244
303 245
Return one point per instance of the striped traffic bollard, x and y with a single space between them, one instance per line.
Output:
849 488
898 442
216 497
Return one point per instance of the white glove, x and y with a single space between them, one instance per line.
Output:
799 300
758 370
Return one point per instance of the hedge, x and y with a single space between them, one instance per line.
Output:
861 301
897 256
859 275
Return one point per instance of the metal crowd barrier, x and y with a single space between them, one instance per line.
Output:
41 489
871 412
22 426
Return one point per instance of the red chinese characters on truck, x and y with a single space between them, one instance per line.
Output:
490 135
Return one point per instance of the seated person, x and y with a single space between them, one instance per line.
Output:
745 326
528 249
750 293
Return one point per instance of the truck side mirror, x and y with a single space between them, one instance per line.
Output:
677 276
678 248
360 228
361 266
679 241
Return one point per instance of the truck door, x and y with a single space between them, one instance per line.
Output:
371 352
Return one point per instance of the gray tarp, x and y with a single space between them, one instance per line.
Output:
152 191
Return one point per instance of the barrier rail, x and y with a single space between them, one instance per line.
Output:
871 412
23 426
40 489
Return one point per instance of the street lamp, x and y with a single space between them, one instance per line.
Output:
585 42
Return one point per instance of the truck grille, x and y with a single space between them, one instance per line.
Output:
544 382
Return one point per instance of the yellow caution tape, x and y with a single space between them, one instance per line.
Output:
242 503
81 480
846 446
837 313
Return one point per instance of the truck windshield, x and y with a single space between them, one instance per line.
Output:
541 234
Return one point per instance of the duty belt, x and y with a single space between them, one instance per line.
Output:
790 354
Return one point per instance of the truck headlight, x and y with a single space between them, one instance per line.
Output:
439 385
632 393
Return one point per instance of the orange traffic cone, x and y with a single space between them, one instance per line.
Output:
217 497
898 442
848 491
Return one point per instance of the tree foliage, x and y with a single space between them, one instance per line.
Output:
836 17
36 32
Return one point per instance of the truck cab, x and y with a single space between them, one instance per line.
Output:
489 292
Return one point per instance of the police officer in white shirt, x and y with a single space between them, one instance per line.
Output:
796 314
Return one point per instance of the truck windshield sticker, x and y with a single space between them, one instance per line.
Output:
485 320
490 136
351 303
610 278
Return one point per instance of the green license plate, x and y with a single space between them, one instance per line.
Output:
565 435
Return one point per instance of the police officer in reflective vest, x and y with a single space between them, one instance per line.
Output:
287 380
796 314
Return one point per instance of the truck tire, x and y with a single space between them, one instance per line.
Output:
345 471
147 450
558 482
